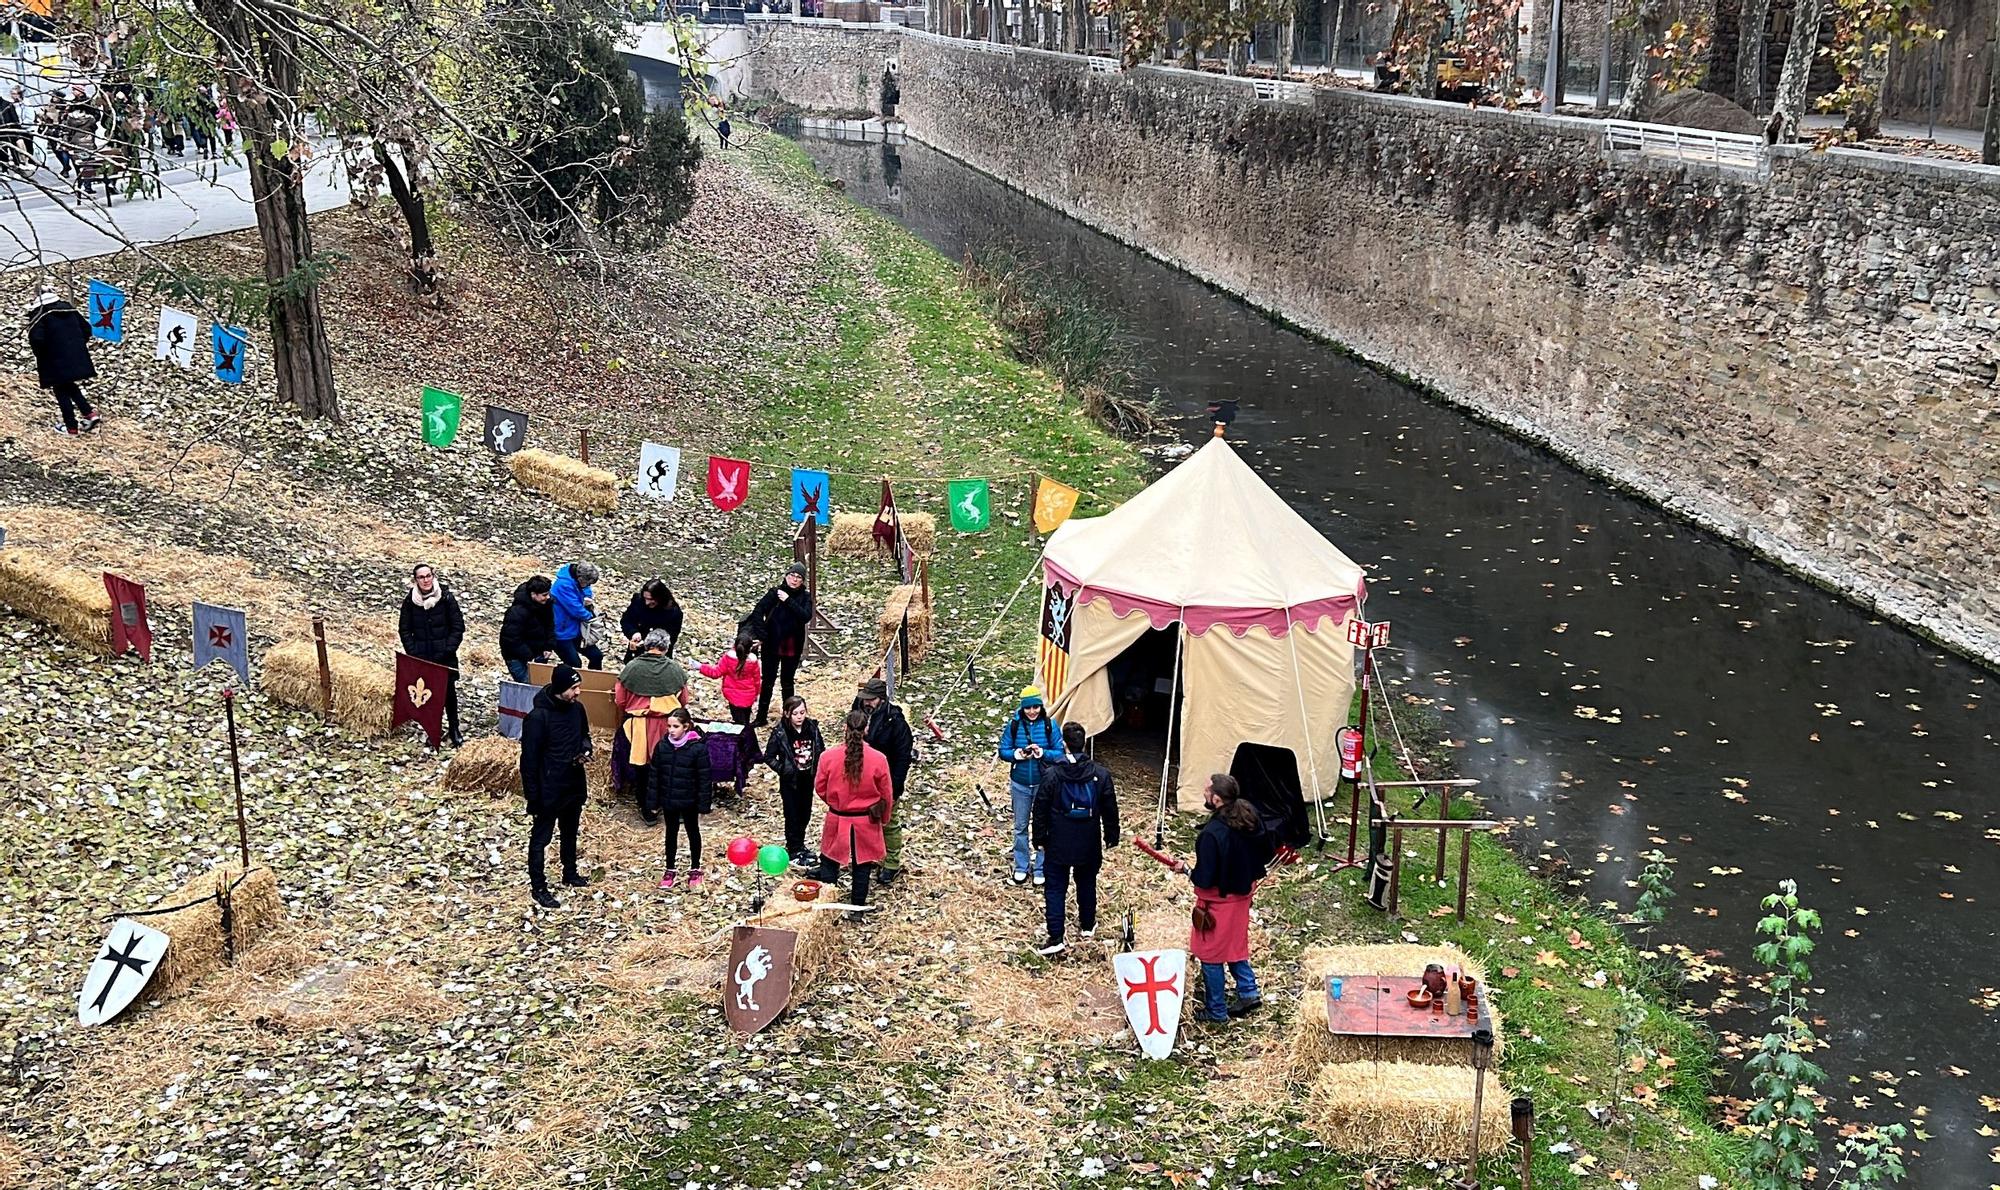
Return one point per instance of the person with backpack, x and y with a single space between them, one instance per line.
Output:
555 747
740 675
1029 735
793 752
1076 818
679 789
1231 855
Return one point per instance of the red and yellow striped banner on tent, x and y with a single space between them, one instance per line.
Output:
1052 650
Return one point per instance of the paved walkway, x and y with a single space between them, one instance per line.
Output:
42 222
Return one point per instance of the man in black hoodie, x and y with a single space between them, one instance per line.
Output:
1075 819
889 734
528 631
59 336
555 745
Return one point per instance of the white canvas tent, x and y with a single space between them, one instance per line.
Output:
1257 599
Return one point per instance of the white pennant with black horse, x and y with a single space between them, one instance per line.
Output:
1152 984
131 955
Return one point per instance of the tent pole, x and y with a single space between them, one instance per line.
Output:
1173 717
1305 723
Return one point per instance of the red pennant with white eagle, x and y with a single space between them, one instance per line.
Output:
728 482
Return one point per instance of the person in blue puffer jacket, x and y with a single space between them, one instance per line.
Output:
574 605
1028 735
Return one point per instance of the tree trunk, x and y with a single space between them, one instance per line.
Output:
1788 105
1288 34
259 63
1989 151
1753 20
1330 14
1638 101
1604 60
1864 114
1239 56
416 216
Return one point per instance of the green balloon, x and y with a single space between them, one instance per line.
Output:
773 859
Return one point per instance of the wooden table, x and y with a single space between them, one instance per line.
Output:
1379 1006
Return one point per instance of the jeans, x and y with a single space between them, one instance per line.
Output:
1056 893
1216 1000
780 672
73 402
517 670
538 842
691 819
1024 805
573 655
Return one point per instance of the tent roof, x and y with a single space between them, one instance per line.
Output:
1208 535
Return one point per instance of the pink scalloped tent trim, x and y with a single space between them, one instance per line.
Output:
1199 619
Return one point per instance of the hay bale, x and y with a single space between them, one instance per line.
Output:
819 933
853 534
908 596
489 764
72 602
1404 1111
196 930
363 692
565 480
1312 1047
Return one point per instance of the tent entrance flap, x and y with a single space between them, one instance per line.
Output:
1143 695
1269 776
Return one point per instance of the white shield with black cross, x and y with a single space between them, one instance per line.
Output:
122 969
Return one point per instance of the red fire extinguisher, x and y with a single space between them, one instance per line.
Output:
1348 740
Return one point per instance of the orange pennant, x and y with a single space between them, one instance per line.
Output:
1053 504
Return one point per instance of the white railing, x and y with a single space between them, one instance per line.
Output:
1104 65
1276 91
1694 145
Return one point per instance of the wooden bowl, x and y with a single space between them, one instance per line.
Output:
806 890
1419 998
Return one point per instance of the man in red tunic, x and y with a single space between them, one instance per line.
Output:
853 781
1231 856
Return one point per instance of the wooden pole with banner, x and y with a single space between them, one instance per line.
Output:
236 772
805 551
325 668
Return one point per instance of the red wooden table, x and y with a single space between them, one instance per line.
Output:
1379 1006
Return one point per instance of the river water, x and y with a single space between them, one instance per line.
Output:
1618 679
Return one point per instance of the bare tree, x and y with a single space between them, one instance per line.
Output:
1751 26
1788 103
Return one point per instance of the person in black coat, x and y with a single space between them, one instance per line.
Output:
528 630
793 751
780 620
555 745
1075 819
432 628
889 733
680 789
652 607
59 335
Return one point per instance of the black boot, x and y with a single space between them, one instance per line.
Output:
546 899
576 880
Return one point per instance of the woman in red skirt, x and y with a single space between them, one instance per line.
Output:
1230 857
853 781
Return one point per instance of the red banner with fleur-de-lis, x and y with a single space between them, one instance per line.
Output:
420 694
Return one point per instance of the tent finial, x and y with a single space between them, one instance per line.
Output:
1223 412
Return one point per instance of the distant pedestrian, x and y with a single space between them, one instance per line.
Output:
1230 858
652 607
555 747
432 627
649 688
225 119
1076 818
780 620
722 131
740 675
575 599
853 781
527 631
889 734
793 752
1029 735
679 789
59 336
49 124
14 132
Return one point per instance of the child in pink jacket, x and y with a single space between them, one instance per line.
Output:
741 676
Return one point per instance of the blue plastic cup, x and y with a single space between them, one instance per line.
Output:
1336 989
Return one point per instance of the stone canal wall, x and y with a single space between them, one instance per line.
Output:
1800 356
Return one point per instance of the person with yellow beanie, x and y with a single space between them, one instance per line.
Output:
1030 732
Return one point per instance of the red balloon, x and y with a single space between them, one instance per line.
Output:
743 851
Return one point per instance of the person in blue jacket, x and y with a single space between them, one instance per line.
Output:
574 603
1030 734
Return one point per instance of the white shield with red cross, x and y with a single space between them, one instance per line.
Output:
1152 984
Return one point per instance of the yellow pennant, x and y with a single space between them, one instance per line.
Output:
1053 504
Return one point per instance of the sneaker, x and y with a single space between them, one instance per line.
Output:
1040 880
546 899
577 880
1055 947
1088 935
805 859
1020 878
90 423
1212 1020
650 818
887 877
66 430
694 877
1246 1007
667 881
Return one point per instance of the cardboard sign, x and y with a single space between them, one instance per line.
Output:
758 985
596 698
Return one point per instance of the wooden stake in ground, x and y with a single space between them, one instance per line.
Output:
236 772
325 673
583 446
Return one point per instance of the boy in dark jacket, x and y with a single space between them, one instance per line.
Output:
1076 818
59 335
432 628
889 734
1031 734
528 630
555 745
